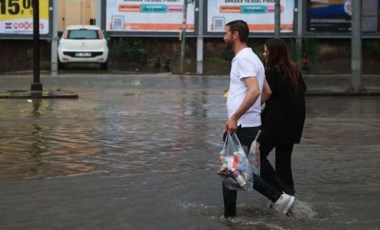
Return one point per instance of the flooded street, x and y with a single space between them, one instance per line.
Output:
142 152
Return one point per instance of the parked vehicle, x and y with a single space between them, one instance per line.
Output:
83 44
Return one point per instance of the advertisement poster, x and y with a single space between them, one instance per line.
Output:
259 14
329 15
16 17
148 15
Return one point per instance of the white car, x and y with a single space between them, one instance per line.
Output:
83 44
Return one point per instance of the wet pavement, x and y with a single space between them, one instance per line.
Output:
141 152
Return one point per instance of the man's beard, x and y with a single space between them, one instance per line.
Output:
230 44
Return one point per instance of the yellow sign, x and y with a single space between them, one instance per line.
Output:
16 16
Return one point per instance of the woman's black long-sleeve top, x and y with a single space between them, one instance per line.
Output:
283 117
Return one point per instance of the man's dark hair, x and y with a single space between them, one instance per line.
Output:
241 27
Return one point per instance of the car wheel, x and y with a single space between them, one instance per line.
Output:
104 65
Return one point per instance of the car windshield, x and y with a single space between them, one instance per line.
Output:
83 34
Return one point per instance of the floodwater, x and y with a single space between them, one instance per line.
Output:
142 152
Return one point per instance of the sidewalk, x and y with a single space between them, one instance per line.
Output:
340 84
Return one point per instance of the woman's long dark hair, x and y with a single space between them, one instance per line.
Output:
278 56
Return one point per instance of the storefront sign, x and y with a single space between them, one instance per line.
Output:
16 17
148 15
329 15
259 14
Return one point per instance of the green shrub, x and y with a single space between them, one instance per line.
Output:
127 49
311 50
373 47
227 54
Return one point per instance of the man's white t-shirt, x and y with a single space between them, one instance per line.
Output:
245 64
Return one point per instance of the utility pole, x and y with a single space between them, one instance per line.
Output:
200 38
183 37
54 41
356 47
98 13
299 33
36 86
277 19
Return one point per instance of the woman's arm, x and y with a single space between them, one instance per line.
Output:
266 92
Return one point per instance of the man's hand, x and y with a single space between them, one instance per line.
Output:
230 125
257 154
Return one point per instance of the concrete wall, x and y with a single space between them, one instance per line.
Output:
326 56
17 55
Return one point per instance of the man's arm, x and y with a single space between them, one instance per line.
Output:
253 92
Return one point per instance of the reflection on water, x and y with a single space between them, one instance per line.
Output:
164 135
71 137
38 144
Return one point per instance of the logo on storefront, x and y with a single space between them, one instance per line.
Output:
8 25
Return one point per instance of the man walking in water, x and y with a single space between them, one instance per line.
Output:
247 78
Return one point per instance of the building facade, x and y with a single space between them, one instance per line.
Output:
76 12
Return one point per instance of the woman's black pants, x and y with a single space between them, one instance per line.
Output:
281 177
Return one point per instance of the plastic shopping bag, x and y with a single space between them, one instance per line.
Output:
251 158
235 169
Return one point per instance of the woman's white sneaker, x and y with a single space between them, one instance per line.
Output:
283 203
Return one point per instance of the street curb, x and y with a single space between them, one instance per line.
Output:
318 92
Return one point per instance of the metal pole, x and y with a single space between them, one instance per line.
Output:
200 38
54 42
277 19
98 13
299 33
183 37
356 47
36 85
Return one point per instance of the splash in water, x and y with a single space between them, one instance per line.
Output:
301 210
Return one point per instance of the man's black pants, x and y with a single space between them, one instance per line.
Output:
246 137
